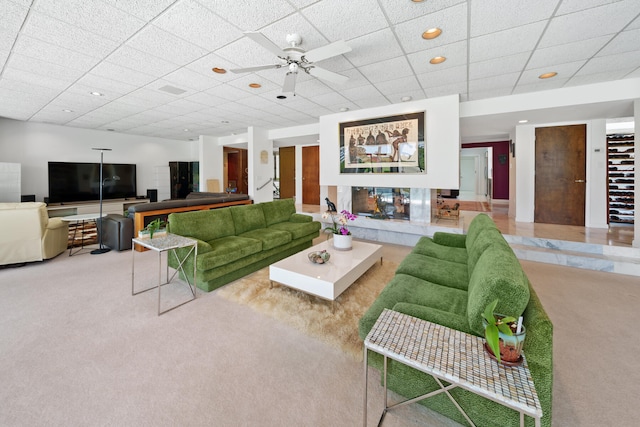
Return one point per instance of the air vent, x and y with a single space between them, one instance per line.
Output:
172 89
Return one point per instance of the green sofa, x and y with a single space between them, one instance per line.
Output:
449 279
238 240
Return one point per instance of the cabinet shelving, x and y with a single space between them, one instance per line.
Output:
621 178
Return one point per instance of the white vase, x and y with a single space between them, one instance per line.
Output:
342 242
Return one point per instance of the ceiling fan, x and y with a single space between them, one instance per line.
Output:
297 59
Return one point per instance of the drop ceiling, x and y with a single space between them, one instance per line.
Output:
151 60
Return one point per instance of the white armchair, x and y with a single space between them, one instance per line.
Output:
28 234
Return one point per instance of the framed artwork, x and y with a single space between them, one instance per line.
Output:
393 144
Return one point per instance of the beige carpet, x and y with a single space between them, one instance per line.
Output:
337 326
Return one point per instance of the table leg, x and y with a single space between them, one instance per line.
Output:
366 384
160 278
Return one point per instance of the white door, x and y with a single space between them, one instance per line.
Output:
468 175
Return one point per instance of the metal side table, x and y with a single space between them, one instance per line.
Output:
167 243
453 356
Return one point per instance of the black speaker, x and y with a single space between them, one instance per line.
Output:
152 195
28 198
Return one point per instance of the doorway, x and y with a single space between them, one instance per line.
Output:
560 174
311 175
237 172
287 172
468 176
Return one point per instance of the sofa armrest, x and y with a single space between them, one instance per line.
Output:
203 247
56 223
296 217
433 315
450 239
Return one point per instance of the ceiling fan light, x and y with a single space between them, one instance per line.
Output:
437 60
431 33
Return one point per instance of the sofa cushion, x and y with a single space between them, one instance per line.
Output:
247 218
278 211
427 246
226 250
298 229
478 224
497 274
270 238
442 272
203 225
484 239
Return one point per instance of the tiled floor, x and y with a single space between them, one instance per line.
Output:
615 236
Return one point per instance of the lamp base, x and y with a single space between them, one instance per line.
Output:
100 251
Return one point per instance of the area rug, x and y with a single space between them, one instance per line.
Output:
312 315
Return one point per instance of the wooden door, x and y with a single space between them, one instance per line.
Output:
287 172
560 174
311 175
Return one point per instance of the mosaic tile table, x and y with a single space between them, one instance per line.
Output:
166 243
452 356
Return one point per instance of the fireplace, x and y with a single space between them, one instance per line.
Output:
381 202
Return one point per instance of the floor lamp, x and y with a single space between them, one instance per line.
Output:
101 249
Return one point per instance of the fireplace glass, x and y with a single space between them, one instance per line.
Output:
381 202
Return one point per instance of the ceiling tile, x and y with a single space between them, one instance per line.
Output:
393 87
195 23
585 79
373 102
162 44
53 54
404 11
598 21
444 77
505 43
452 22
489 16
143 62
356 79
584 49
180 107
185 78
625 41
60 33
564 71
359 93
4 55
144 9
295 23
227 92
570 6
541 85
13 15
243 13
247 53
41 68
456 54
334 18
122 74
206 98
607 63
389 69
312 88
243 83
494 83
95 17
373 47
460 88
493 67
491 93
105 85
28 87
27 77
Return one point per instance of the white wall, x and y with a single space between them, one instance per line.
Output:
442 138
33 145
595 201
260 174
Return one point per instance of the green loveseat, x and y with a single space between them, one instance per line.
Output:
449 279
238 240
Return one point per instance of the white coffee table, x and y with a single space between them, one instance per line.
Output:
327 280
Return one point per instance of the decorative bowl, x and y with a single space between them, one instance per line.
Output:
319 257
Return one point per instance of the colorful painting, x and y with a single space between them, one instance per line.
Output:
384 145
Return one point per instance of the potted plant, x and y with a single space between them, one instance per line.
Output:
504 335
154 227
341 233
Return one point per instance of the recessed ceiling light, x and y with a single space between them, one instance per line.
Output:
344 109
110 130
431 33
97 94
405 98
438 60
417 1
218 70
547 75
523 121
225 121
281 97
185 129
255 85
66 110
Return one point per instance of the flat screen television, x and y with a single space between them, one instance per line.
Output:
80 182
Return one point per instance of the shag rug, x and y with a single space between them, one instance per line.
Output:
310 314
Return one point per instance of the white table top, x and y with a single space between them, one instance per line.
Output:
454 356
327 280
82 217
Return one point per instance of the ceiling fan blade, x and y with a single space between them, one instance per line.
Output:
328 51
289 84
252 69
262 40
328 75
